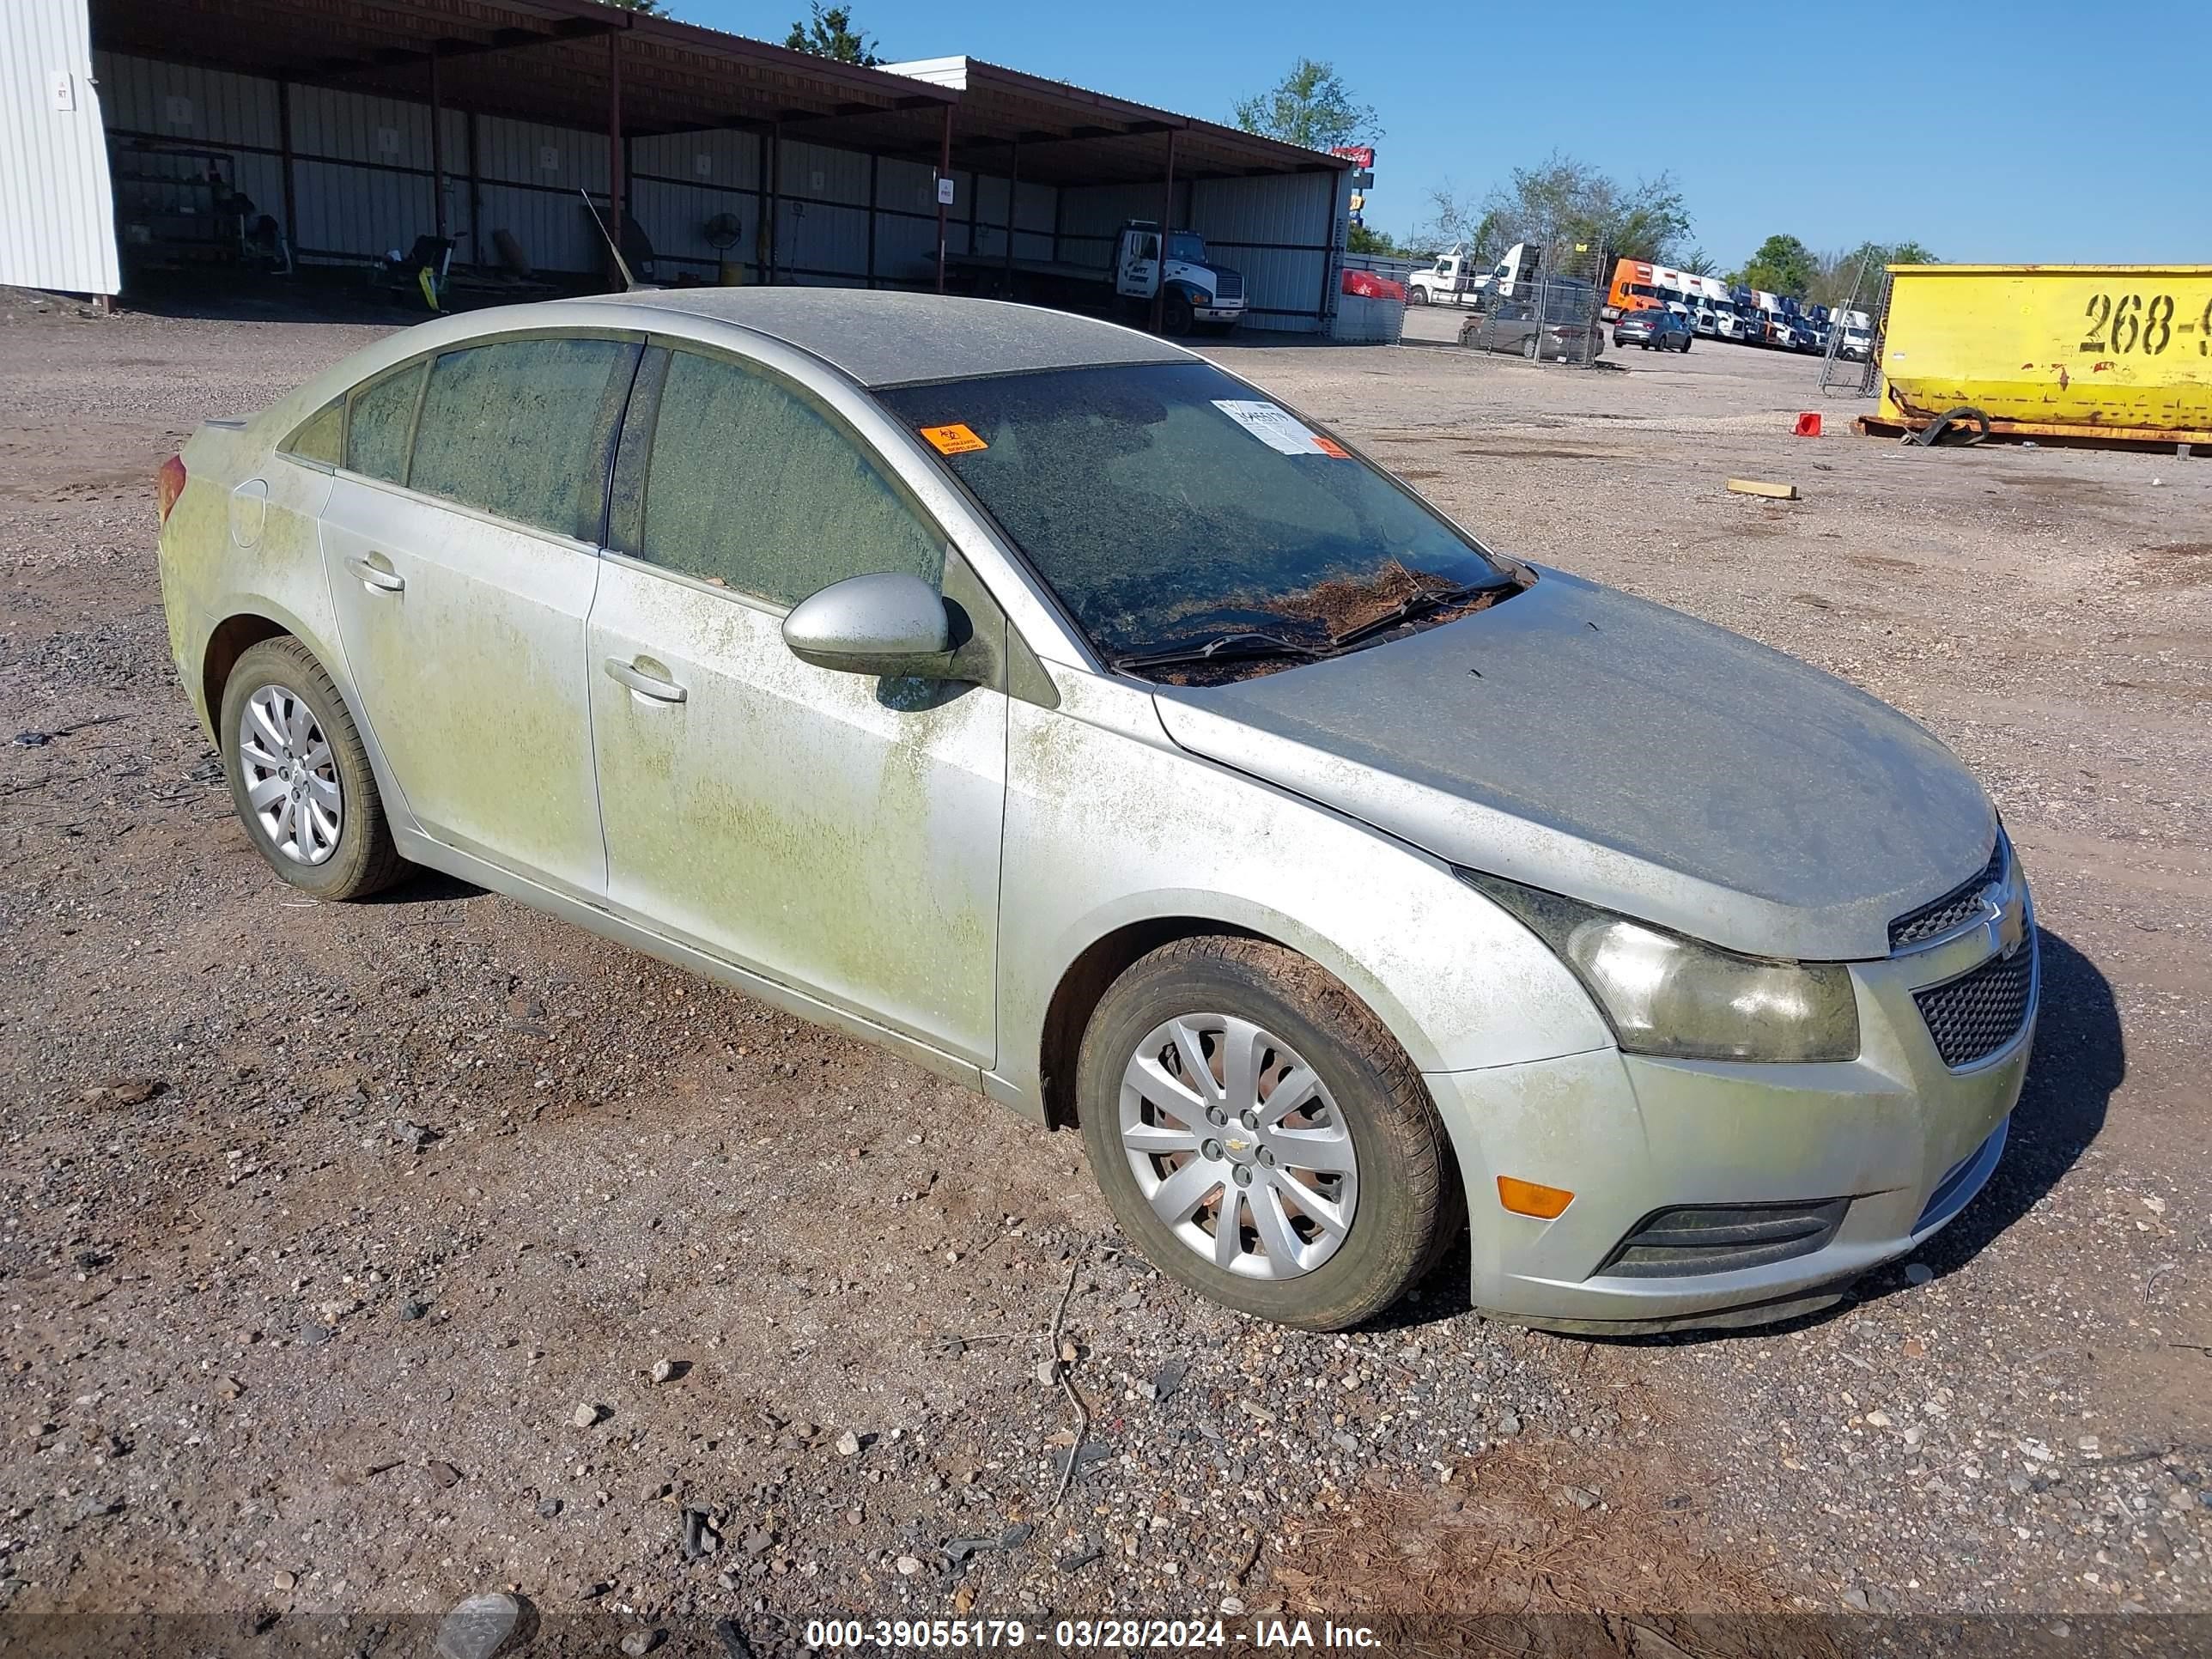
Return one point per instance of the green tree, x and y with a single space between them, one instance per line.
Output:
1310 106
830 33
643 8
1837 274
1781 264
1567 201
1699 263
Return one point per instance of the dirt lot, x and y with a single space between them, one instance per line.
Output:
266 1356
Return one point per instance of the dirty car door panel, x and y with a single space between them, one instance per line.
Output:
833 831
461 577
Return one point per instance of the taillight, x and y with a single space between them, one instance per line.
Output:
168 484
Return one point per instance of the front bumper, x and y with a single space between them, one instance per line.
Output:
1219 313
1905 1139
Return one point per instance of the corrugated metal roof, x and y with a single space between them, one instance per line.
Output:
884 339
56 199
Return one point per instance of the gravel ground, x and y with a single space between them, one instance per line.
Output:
342 1245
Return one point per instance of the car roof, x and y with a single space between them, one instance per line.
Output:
884 337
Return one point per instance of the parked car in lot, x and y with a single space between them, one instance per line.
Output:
1066 715
1657 326
1566 332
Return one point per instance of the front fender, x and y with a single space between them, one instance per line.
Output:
1109 823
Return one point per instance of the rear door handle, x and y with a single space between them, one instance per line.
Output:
645 685
374 573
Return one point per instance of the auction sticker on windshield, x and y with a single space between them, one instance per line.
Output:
1277 427
956 439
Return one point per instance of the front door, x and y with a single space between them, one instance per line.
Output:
1138 256
835 833
462 584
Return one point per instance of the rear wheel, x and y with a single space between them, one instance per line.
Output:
300 777
1262 1137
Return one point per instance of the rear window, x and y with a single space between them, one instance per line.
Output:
523 429
380 422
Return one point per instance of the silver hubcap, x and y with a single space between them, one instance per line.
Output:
1238 1147
291 775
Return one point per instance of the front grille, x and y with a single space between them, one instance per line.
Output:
1954 909
1228 285
1973 1016
1712 1239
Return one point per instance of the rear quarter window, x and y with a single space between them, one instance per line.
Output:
320 437
380 420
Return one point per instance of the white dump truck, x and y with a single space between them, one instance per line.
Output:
1201 294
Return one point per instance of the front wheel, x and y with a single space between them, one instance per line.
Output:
1416 296
1262 1137
1175 315
1686 344
300 777
1531 348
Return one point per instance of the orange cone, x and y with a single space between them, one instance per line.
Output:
1809 424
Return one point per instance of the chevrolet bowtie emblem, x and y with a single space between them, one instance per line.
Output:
1239 1146
2012 926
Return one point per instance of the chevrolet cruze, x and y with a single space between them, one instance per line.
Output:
1061 712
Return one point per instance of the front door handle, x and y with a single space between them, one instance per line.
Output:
374 573
645 685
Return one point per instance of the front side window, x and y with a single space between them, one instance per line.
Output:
381 418
732 475
522 429
1170 504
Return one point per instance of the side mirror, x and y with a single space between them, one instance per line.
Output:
886 625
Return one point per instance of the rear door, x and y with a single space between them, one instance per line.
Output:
461 543
836 833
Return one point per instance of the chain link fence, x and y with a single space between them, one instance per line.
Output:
1547 310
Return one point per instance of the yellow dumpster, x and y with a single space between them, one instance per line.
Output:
2113 351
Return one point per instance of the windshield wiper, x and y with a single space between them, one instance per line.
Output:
1227 647
1413 605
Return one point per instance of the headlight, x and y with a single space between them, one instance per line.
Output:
1666 994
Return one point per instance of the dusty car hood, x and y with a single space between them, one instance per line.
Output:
1595 744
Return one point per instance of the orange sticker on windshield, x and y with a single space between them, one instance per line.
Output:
954 440
1330 446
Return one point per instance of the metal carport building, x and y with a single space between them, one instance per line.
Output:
360 125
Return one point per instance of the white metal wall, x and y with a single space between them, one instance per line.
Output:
1283 232
56 197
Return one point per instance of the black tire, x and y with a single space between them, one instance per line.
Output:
1175 315
363 859
1409 1207
1416 296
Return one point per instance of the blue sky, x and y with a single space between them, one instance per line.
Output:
1987 131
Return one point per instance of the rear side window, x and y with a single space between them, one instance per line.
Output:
321 436
746 482
522 429
381 417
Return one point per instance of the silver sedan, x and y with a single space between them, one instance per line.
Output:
1068 716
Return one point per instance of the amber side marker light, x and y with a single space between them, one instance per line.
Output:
168 484
1531 1198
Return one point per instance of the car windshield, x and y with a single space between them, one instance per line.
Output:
1169 505
1187 244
